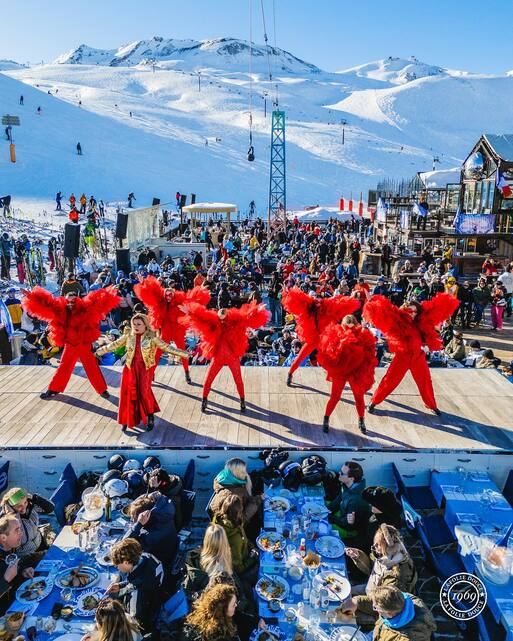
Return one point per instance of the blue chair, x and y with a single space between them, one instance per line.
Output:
208 509
65 493
507 490
489 629
442 564
437 532
4 476
188 503
420 497
188 477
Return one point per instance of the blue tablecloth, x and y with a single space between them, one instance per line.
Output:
472 499
269 566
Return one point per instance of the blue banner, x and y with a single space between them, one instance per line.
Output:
474 223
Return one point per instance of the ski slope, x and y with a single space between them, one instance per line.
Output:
399 113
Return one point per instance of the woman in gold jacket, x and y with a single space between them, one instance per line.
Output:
136 400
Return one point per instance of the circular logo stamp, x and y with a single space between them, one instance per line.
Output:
463 596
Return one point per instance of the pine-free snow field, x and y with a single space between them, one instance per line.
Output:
476 406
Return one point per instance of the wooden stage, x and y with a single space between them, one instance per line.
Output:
477 414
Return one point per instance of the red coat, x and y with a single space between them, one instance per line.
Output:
225 339
405 334
78 326
313 315
164 315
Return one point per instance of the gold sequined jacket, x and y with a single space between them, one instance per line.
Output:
149 345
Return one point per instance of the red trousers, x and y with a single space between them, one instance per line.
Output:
419 369
70 355
303 353
136 399
337 387
216 365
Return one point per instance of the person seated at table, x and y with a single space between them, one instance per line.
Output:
212 616
154 527
234 479
11 575
385 508
244 556
349 513
402 616
212 564
112 623
27 507
455 348
169 485
139 587
389 564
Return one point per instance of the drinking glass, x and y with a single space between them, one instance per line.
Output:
66 594
11 559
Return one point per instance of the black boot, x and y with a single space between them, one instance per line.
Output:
289 380
105 394
204 404
371 408
151 422
124 428
361 425
326 424
437 411
188 378
48 394
242 405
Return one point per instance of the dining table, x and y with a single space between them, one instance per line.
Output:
308 511
474 507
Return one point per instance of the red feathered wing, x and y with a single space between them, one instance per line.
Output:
434 312
99 303
348 354
151 293
236 323
207 324
397 325
200 295
41 304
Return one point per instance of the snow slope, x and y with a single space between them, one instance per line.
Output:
196 141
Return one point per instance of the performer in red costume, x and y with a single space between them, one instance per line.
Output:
74 324
165 310
224 340
137 402
313 315
407 329
348 354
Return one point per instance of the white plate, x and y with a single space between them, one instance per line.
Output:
330 546
276 579
338 580
100 558
273 629
314 510
26 584
345 633
273 504
94 573
79 610
273 537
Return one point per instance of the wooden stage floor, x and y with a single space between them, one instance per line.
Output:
477 414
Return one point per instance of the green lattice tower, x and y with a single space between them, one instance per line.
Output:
278 183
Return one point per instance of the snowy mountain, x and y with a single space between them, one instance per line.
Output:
192 54
9 65
148 122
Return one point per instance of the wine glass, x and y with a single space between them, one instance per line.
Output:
66 594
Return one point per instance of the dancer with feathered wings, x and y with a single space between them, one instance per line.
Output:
407 329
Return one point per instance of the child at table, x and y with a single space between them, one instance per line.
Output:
112 622
139 586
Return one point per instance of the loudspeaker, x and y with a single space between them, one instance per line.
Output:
123 260
121 225
71 240
183 200
156 201
193 199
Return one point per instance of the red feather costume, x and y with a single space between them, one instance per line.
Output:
313 315
164 311
406 336
75 328
348 354
224 341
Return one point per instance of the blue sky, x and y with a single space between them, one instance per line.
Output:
334 34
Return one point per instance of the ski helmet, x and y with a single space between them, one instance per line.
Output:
108 476
115 488
151 463
131 464
134 478
116 462
292 475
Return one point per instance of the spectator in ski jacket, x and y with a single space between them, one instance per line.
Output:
13 305
71 284
349 512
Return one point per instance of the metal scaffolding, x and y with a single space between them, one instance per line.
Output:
277 184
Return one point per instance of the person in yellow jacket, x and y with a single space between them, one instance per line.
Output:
13 305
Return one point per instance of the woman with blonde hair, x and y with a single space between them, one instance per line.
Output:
234 479
389 564
136 400
212 615
112 623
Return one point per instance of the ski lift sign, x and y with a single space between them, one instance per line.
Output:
11 120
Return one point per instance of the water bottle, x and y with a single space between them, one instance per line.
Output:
306 590
294 530
314 598
324 599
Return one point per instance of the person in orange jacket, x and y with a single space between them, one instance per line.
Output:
83 203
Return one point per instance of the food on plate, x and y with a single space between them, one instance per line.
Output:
34 590
269 544
90 602
271 589
66 612
312 560
15 620
80 526
277 504
76 579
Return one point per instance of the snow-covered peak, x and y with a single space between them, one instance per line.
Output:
10 65
397 71
217 53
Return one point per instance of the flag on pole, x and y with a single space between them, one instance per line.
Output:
457 217
502 185
420 209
